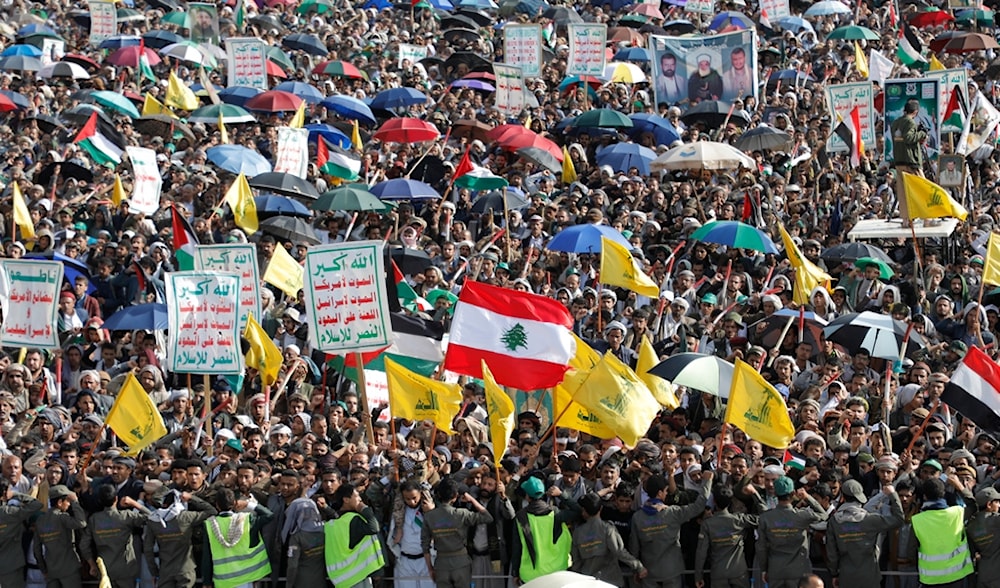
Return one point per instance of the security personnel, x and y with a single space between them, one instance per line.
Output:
937 539
984 535
306 565
784 536
167 540
449 528
544 540
655 534
15 509
852 533
55 550
598 548
722 535
109 535
234 553
353 549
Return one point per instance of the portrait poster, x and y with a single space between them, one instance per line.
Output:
204 23
951 171
925 92
689 70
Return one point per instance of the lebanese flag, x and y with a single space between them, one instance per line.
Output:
974 390
529 335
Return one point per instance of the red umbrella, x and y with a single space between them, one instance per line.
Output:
938 42
406 130
83 61
340 69
481 75
971 43
129 56
930 18
6 104
533 140
134 97
650 10
273 69
508 131
274 101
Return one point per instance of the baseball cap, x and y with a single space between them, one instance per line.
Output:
853 489
533 487
983 497
784 486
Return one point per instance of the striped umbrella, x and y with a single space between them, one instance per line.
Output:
707 373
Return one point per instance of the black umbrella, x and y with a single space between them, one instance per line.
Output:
429 171
851 252
880 334
268 21
495 201
80 114
714 114
166 5
67 169
284 183
480 17
562 15
290 228
459 21
473 61
460 34
306 43
707 373
653 29
764 138
410 261
540 157
766 331
46 124
162 125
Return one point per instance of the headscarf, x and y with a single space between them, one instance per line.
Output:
171 506
301 515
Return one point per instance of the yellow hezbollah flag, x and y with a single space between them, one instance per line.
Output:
619 268
419 398
299 119
151 106
991 266
134 418
572 414
807 274
757 408
860 62
501 410
925 199
179 95
935 64
619 398
263 355
662 390
356 137
118 194
240 200
222 129
22 218
284 273
568 169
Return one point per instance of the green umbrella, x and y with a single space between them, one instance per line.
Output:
481 179
116 102
231 114
604 118
319 6
983 17
177 18
349 197
854 33
884 271
640 19
130 15
735 234
275 54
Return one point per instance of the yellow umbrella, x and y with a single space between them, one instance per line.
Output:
626 73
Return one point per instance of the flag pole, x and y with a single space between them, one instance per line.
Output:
206 409
777 345
366 420
93 447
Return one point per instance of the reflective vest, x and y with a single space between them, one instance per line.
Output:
944 552
550 556
235 563
345 566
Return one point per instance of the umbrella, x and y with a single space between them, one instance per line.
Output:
664 133
540 157
269 205
305 91
566 579
18 100
640 54
46 124
190 52
407 130
763 138
178 18
880 334
330 133
237 159
403 189
410 261
268 22
64 69
624 156
680 27
981 17
735 234
162 125
937 43
120 41
478 4
459 20
730 18
284 183
714 114
158 39
789 78
634 21
481 85
349 107
707 373
289 228
562 15
796 24
626 73
851 252
342 69
67 169
306 43
151 316
648 10
532 140
508 131
129 56
274 101
460 34
349 197
81 113
72 268
702 155
970 43
20 63
494 200
479 16
398 98
768 329
585 238
931 17
238 95
884 271
854 33
26 50
826 8
471 129
231 114
473 61
116 102
319 6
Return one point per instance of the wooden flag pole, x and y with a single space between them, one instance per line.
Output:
366 413
206 410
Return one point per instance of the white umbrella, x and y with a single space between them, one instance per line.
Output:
702 155
622 72
187 52
827 7
566 580
64 69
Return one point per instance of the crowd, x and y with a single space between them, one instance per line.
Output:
882 481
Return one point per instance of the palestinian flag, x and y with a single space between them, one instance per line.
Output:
101 141
408 297
144 68
909 49
336 162
794 460
416 346
184 241
955 112
464 165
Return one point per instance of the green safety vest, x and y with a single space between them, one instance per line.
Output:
239 564
344 566
549 556
944 552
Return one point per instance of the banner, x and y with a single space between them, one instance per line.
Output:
950 80
775 9
840 101
204 23
346 295
239 259
522 46
148 181
103 21
31 318
925 92
509 97
694 69
293 152
411 53
247 63
204 326
52 50
700 6
983 120
587 56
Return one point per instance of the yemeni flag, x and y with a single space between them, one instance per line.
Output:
955 113
184 241
336 162
909 49
528 334
974 390
103 144
849 132
416 346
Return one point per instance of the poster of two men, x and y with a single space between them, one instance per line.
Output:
689 70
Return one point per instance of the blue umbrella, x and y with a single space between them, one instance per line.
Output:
237 159
403 189
306 43
273 205
72 268
19 100
349 107
442 5
730 18
330 133
119 41
663 132
37 29
478 4
398 98
586 239
378 4
151 316
238 95
160 39
25 50
795 24
633 54
305 91
623 156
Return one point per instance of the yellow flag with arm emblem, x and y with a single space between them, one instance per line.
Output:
22 218
925 199
619 398
572 414
757 408
619 268
568 169
808 275
118 194
662 390
991 265
134 417
284 273
263 355
419 398
500 408
179 95
299 119
240 200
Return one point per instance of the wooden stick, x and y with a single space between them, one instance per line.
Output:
93 447
923 425
208 421
781 338
366 422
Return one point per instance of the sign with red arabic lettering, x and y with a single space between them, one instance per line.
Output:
204 322
509 97
32 289
239 259
247 62
522 46
586 49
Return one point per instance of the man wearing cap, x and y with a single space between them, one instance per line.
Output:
54 547
15 510
167 541
984 537
448 527
110 535
121 478
543 541
937 539
783 548
853 536
598 548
